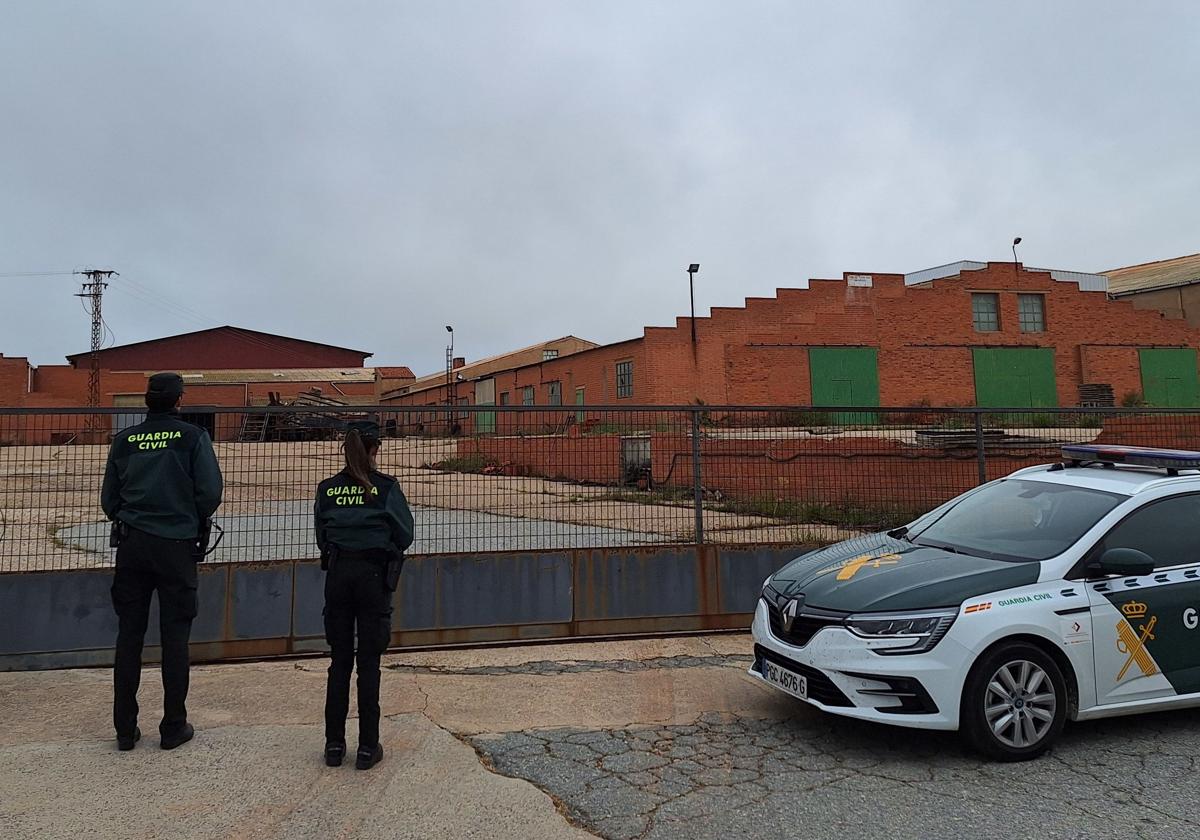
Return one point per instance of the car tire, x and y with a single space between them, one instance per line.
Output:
1014 703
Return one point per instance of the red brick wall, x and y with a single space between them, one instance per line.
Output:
868 471
1118 366
14 381
1169 431
861 471
939 376
767 375
594 459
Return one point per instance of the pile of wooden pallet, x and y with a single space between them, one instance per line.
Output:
1096 396
259 426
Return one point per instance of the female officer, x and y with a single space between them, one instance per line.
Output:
363 526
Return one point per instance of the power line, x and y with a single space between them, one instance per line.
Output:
163 305
38 274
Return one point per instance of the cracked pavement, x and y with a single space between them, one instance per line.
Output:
549 667
659 738
807 776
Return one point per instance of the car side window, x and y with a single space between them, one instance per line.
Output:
1168 530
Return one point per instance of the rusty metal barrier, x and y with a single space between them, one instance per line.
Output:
64 618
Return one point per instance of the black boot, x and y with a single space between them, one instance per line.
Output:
170 742
127 742
335 751
368 757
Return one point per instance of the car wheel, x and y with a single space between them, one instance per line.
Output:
1014 703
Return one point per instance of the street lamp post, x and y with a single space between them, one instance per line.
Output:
450 367
692 269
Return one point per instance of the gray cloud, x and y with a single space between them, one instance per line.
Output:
363 173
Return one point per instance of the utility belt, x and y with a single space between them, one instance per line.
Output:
119 532
390 560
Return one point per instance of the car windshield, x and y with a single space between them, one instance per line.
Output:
1017 520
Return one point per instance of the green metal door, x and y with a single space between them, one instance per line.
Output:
1015 377
485 394
1169 378
845 376
579 400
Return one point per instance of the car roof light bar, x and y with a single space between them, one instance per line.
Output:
1134 456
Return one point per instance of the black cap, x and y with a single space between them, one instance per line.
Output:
365 428
166 385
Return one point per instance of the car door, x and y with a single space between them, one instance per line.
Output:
1146 642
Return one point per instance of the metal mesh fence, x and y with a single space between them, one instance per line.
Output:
498 478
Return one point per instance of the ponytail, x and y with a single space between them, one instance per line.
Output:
358 460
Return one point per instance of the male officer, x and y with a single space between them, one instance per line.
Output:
161 485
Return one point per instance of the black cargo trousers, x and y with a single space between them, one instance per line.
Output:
147 564
357 598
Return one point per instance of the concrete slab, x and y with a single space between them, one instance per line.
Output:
40 706
268 782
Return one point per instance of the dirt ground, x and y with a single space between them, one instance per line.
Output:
44 489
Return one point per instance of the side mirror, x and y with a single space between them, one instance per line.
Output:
1125 562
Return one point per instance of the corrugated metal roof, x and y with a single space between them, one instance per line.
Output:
940 271
1086 282
494 364
238 377
1163 274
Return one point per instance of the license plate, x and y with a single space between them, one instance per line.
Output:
794 684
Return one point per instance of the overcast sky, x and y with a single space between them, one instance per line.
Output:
364 173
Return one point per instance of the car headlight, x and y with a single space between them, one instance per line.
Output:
906 632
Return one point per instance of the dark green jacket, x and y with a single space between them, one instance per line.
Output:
349 518
162 477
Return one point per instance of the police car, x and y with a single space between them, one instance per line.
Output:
1066 591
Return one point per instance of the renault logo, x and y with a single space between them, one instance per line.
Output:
790 610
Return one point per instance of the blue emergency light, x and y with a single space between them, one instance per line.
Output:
1134 456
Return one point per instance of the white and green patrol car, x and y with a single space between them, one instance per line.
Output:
1066 591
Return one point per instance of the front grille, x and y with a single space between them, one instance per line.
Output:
820 687
806 625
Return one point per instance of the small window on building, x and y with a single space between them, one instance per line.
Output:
554 393
547 355
504 398
624 380
1031 311
527 395
985 311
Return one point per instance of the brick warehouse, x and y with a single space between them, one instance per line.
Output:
987 334
223 367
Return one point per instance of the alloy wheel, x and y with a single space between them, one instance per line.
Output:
1020 703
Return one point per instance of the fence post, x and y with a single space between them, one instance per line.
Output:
697 486
980 457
